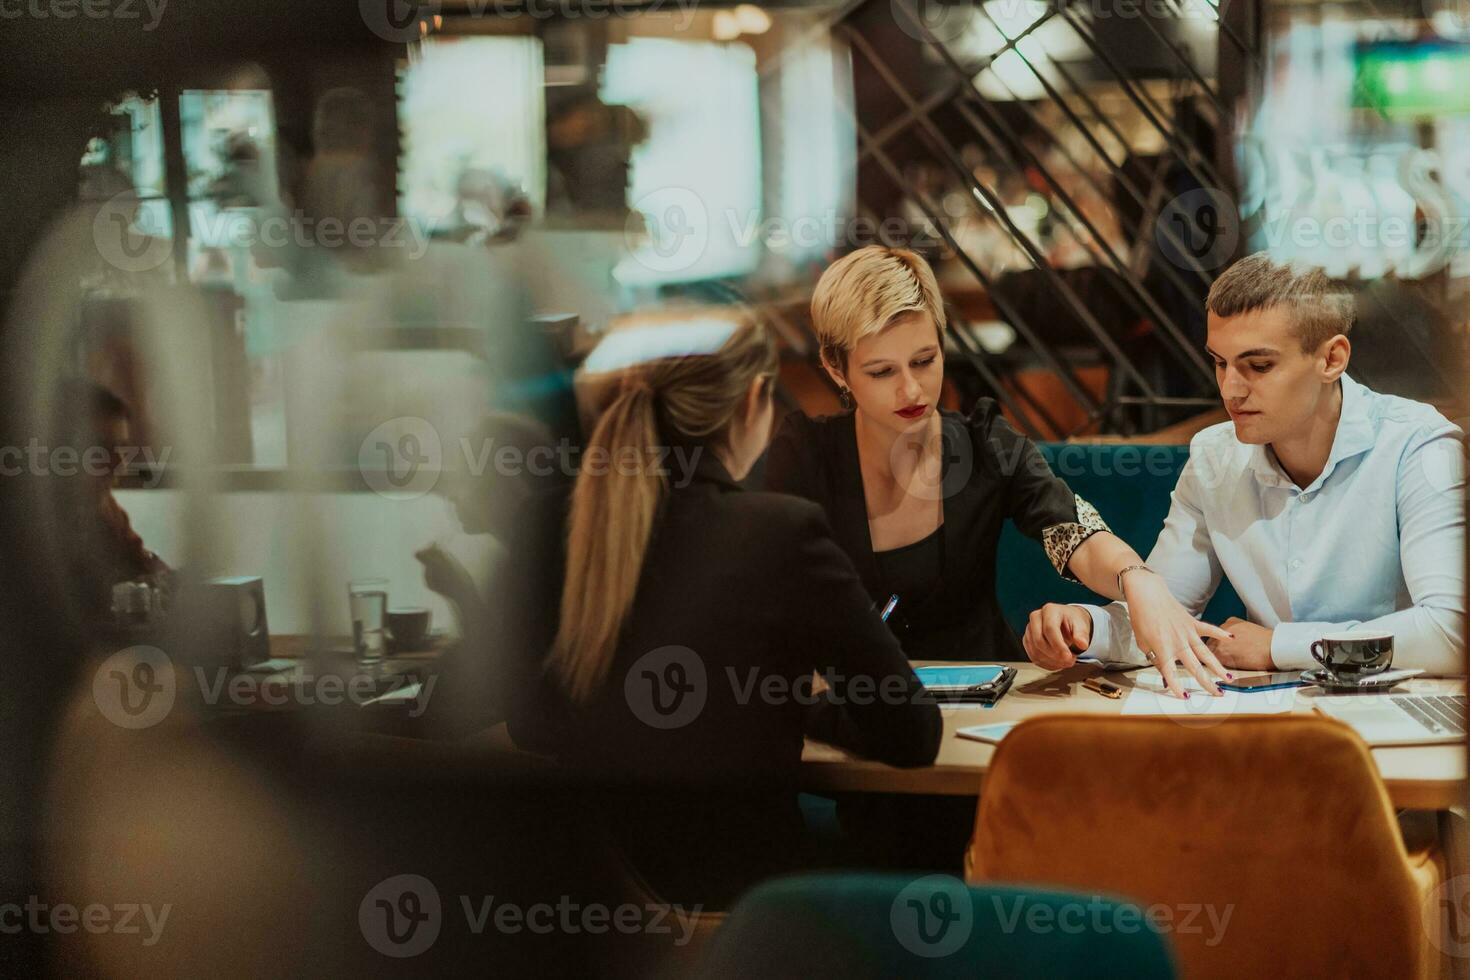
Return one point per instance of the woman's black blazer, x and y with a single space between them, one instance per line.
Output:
991 473
742 597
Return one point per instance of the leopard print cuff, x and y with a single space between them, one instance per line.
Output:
1061 540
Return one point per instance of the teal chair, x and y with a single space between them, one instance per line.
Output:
856 926
1130 486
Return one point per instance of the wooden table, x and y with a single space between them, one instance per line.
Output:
1427 777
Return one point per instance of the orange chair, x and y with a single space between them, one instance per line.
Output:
1281 824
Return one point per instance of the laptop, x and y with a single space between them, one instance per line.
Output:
1400 719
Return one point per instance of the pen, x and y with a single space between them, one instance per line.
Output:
1102 687
892 601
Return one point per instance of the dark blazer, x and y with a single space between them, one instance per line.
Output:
991 473
701 720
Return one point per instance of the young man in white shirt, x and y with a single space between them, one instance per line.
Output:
1327 505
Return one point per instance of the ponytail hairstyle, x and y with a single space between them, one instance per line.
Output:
676 376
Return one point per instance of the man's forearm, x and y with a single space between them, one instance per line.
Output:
1426 637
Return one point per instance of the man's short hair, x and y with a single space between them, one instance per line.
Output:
1319 309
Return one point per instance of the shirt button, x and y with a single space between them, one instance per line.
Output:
1296 563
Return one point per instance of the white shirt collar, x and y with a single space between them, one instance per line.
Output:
1354 435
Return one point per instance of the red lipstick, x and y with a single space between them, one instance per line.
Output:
912 412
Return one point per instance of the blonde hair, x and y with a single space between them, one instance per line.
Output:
863 292
689 393
1319 310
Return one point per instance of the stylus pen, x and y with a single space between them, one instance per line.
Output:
887 609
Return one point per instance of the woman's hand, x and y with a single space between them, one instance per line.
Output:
446 576
1166 631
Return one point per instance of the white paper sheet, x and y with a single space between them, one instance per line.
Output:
1148 698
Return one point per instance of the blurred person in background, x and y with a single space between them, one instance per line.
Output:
108 550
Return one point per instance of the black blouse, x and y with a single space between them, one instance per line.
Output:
990 473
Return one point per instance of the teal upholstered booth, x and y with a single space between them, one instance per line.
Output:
1130 486
861 926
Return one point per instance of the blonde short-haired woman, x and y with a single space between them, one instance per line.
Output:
917 496
686 617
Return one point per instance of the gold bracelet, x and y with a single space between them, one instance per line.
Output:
1125 571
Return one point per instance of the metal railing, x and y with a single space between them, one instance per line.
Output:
1152 382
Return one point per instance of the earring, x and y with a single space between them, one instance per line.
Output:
846 394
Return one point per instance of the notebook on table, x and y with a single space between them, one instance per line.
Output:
978 683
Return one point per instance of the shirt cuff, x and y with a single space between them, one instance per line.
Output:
1291 644
1061 540
1112 643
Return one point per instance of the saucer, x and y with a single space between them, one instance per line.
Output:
1373 682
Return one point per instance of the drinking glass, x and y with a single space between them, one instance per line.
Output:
368 600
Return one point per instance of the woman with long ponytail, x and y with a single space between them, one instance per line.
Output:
689 612
611 519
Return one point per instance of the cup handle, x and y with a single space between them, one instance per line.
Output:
1318 656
